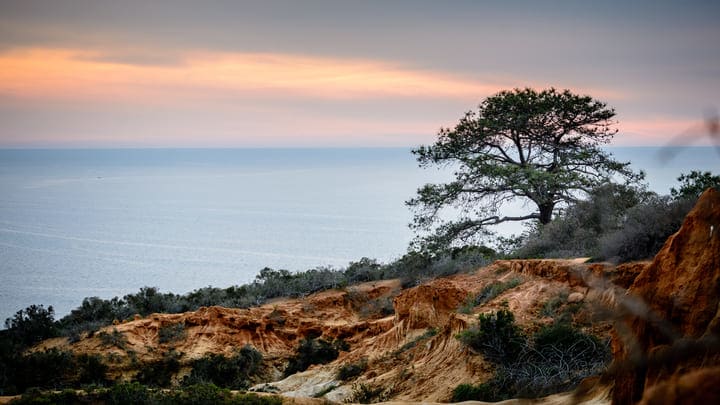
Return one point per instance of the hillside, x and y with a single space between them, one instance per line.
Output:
411 354
399 344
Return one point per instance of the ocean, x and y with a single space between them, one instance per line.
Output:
79 223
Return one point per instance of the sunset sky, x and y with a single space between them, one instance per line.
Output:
340 73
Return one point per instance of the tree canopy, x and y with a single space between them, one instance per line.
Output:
694 183
543 148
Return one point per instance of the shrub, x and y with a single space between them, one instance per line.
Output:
576 230
37 397
645 229
350 371
51 368
202 394
32 325
313 351
470 392
495 336
233 372
129 393
555 359
113 339
171 333
159 373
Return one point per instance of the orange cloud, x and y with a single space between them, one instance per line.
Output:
68 74
659 130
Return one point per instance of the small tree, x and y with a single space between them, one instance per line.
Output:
32 324
693 184
539 147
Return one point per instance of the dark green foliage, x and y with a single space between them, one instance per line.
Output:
552 306
561 339
352 370
541 148
233 372
160 373
416 267
644 229
554 359
37 397
52 369
616 223
171 333
32 325
495 336
313 351
470 392
129 393
113 339
138 394
577 230
363 270
201 394
693 184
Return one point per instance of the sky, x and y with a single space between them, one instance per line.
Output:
86 74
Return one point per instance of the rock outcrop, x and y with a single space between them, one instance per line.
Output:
411 354
672 317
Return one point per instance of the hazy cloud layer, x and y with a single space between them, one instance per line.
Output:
227 73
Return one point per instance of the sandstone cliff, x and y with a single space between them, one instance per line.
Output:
411 355
671 320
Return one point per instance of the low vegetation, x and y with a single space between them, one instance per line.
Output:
349 371
234 372
160 373
50 369
554 359
171 333
619 223
314 351
138 394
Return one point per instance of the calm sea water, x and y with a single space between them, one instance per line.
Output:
78 223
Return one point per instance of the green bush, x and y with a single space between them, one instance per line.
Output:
233 372
37 397
138 394
171 333
554 359
202 394
32 325
313 351
50 369
129 393
113 339
350 371
160 373
495 336
470 392
645 229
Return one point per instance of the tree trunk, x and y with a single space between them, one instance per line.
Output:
546 210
